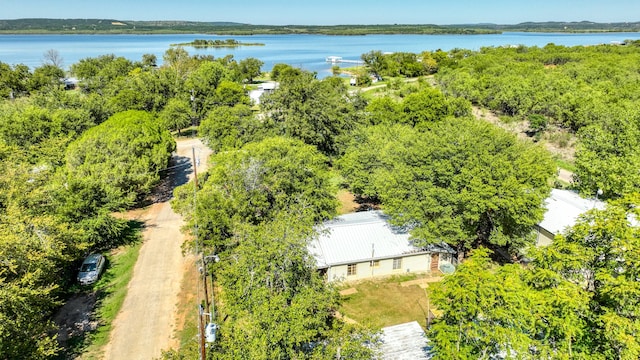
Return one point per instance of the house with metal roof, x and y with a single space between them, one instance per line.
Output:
365 245
405 342
563 209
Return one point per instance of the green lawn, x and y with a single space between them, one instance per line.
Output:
565 165
385 302
112 289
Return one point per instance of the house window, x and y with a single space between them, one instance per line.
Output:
397 263
374 263
351 269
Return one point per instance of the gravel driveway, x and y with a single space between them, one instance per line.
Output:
146 323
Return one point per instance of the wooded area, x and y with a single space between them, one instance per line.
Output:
119 26
70 158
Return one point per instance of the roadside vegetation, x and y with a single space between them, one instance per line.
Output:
70 159
110 293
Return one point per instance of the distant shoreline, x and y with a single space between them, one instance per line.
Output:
112 26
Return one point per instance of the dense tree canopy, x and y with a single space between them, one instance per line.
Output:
228 128
579 298
252 183
590 90
319 112
66 162
608 158
276 305
460 181
123 154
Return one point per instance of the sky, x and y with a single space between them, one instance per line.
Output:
330 12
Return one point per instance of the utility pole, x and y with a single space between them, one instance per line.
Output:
204 263
203 351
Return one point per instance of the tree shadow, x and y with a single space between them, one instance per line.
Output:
177 174
366 203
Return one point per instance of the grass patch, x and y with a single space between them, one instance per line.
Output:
383 303
112 289
563 164
347 202
560 139
187 333
506 119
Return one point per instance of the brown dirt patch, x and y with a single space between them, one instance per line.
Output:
558 142
187 301
76 317
349 291
348 202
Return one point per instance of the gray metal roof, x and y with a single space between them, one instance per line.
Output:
405 342
563 209
363 236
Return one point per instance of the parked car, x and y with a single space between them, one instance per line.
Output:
91 268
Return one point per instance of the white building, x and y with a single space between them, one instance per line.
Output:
563 209
364 245
266 87
405 342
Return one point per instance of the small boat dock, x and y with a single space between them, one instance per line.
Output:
339 59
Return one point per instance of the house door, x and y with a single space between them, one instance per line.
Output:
435 262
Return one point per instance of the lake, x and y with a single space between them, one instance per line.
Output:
305 51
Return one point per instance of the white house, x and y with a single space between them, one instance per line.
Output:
364 245
405 342
266 87
563 209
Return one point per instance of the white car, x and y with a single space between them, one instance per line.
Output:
91 268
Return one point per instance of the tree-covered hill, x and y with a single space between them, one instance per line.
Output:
232 28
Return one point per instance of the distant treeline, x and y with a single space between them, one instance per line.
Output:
202 43
229 28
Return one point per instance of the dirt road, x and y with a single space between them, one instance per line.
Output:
145 324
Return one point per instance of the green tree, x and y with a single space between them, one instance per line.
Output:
315 111
276 304
37 248
179 63
485 312
228 128
250 68
282 71
608 157
13 81
149 61
508 311
123 154
96 74
461 181
601 255
202 84
425 106
45 77
176 115
24 334
253 183
139 90
384 110
229 93
374 60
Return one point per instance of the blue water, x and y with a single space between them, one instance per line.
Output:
304 51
